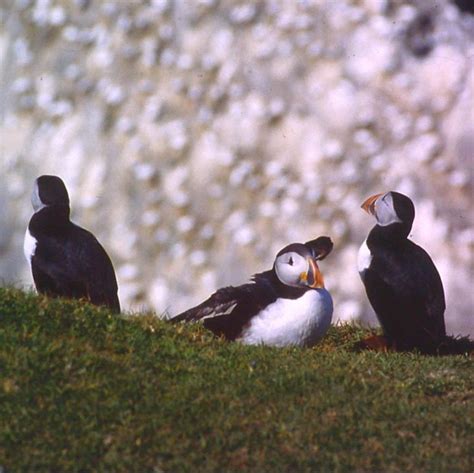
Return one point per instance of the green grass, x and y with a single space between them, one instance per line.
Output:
84 390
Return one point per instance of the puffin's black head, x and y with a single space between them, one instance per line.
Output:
295 265
49 190
390 209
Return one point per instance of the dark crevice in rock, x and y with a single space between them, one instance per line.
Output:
466 6
419 35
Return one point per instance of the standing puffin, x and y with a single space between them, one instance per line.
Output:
65 259
401 281
287 305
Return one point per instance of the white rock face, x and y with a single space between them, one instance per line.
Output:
197 140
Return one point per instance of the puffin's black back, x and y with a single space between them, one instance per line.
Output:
68 260
405 290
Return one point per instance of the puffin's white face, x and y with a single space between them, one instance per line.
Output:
385 211
296 270
35 199
289 268
382 208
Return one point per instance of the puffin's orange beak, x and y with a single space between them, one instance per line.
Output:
369 204
314 277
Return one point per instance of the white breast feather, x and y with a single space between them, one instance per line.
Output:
300 322
364 258
29 246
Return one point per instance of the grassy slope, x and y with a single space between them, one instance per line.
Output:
81 389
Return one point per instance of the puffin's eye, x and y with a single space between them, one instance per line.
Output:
290 261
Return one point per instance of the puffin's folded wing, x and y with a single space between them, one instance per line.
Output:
229 309
220 303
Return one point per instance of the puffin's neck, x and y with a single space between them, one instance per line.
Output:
50 219
389 235
284 291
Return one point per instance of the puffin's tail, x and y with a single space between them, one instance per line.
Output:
185 316
195 313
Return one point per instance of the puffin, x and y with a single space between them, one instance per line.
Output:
285 306
401 281
65 259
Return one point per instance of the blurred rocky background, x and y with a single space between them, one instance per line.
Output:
198 137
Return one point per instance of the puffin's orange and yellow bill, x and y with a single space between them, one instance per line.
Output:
317 281
369 204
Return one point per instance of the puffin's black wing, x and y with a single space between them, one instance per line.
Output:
406 292
229 309
75 265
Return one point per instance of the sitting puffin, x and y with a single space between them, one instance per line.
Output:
401 281
287 305
65 259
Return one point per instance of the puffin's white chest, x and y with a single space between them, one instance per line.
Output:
300 322
29 246
364 258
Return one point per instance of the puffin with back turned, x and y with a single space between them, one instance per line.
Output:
287 305
401 281
66 260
